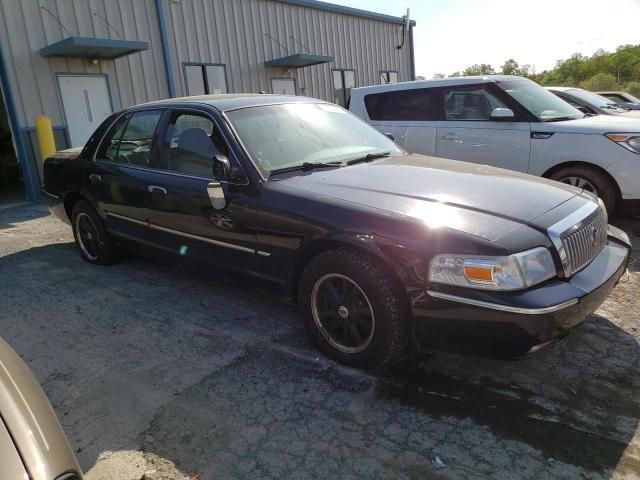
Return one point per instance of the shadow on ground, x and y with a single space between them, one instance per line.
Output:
210 372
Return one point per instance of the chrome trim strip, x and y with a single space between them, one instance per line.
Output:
503 308
47 194
556 230
128 219
188 235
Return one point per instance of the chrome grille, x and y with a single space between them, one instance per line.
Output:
583 241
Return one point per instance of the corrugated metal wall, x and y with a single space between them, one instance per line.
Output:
232 32
26 26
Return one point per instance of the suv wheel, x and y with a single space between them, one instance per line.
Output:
592 181
353 309
93 241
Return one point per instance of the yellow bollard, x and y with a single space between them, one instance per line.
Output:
44 132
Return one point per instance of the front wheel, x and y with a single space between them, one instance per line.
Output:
592 181
91 236
354 309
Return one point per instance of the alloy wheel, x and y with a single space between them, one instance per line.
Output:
87 235
342 312
580 182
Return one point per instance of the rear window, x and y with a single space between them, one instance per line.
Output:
416 104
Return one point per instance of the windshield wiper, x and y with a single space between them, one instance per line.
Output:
560 119
306 166
368 157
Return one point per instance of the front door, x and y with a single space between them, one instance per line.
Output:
283 86
466 131
182 215
86 103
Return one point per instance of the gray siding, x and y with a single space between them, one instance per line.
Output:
26 27
232 32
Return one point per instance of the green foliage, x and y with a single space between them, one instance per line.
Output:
633 88
600 82
594 72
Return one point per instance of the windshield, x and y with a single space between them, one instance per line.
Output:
539 101
591 98
293 134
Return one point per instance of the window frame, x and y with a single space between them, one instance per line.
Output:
154 151
380 72
355 85
205 79
436 106
519 112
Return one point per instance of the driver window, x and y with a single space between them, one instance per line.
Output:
131 139
191 142
470 104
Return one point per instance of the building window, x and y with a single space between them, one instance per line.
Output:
343 82
205 78
388 77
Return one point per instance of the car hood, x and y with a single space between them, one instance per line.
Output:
30 420
628 122
477 199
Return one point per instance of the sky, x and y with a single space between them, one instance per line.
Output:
453 34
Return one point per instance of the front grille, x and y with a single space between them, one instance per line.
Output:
583 241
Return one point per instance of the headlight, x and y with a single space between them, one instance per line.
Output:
630 141
518 271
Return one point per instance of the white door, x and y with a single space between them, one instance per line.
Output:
467 132
283 86
86 103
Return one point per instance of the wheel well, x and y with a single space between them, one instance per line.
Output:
591 166
70 199
315 249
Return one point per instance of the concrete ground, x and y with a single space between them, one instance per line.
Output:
151 367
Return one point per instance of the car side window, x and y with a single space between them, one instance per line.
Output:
130 140
415 104
191 142
469 103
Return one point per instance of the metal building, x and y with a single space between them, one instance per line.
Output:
76 62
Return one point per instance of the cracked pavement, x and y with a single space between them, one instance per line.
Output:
153 366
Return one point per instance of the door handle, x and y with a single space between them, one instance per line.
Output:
94 178
156 189
450 136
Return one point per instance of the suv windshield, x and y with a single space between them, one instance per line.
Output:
592 99
539 101
300 134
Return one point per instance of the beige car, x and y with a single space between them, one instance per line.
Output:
32 444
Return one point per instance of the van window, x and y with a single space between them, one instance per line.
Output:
416 104
470 103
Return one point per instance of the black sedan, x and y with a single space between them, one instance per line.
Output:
383 250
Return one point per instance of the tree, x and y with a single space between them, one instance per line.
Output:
510 67
481 69
437 76
599 82
633 88
420 77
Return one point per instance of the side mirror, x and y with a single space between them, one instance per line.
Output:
221 168
390 136
502 115
221 172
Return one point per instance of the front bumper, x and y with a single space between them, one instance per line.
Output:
514 324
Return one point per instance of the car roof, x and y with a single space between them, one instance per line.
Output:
225 102
441 82
561 89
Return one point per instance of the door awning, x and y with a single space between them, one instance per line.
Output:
298 60
88 47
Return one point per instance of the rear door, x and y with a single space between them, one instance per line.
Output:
466 131
182 216
409 115
117 179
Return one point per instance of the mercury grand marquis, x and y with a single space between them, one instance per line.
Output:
382 250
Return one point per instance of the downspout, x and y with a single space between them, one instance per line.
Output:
166 52
412 53
16 133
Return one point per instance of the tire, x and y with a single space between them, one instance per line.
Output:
379 338
93 242
591 180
